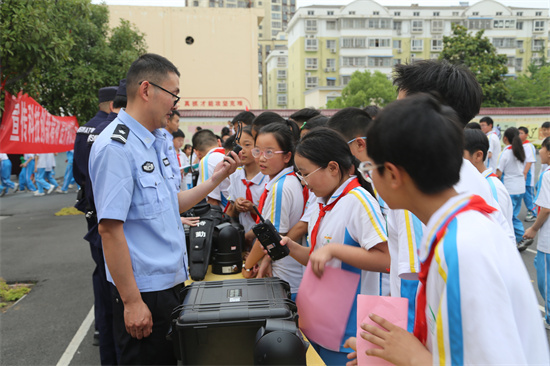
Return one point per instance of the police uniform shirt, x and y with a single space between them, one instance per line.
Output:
237 189
172 158
82 149
480 304
132 184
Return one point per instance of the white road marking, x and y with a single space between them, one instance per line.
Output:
69 353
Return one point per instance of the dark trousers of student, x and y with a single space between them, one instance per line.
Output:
155 349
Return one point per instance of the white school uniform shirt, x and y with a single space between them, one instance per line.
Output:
512 169
237 189
481 307
50 161
4 157
206 168
494 149
355 220
472 182
181 163
543 200
283 207
310 206
501 195
530 157
41 160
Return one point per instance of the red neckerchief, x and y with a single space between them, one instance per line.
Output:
249 196
493 175
219 150
525 142
305 193
475 203
324 209
264 196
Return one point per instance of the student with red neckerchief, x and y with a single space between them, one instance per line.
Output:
475 303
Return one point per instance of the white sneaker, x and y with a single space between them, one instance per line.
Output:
50 190
38 194
15 187
71 185
546 325
58 190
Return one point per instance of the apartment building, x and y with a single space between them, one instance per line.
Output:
326 44
276 74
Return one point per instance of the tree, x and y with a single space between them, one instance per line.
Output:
91 55
531 90
364 89
480 56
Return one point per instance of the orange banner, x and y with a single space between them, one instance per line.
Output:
28 128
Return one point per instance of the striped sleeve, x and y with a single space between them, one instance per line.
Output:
370 226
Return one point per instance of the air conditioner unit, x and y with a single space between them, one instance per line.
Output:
333 69
398 31
399 50
327 69
333 50
521 50
308 73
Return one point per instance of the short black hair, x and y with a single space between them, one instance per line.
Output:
545 124
350 122
372 110
317 121
176 113
284 135
423 137
225 131
476 140
120 101
546 143
473 126
304 115
203 139
150 67
456 84
487 120
228 144
246 117
524 129
178 133
266 118
187 146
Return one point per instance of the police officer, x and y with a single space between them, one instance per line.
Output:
138 212
102 296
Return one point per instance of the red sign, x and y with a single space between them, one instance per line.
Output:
27 128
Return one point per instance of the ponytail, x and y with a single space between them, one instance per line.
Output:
512 135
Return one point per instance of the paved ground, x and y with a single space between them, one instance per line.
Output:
38 246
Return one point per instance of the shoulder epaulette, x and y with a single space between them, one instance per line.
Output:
85 130
121 133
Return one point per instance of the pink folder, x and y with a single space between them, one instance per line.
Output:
324 305
393 309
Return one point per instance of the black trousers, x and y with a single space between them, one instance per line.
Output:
155 349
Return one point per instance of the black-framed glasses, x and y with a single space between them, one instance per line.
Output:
161 88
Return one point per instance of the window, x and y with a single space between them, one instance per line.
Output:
275 15
281 61
379 42
417 26
396 61
310 12
212 3
379 23
519 44
281 99
261 35
330 12
275 24
380 61
281 87
417 45
519 25
344 80
537 44
312 44
275 32
397 26
519 13
281 74
538 26
354 24
437 26
397 14
312 81
195 3
475 13
538 13
331 63
519 64
504 42
352 13
437 44
455 13
353 42
511 61
311 25
396 43
331 82
331 25
499 13
353 61
416 14
311 63
479 24
242 4
508 24
331 44
375 13
536 60
276 7
436 13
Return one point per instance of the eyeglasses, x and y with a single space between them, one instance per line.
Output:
268 153
350 141
161 88
303 177
366 168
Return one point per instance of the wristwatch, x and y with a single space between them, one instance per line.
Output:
247 269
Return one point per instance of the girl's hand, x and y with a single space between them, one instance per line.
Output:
351 343
265 268
319 258
250 274
191 221
397 345
243 205
530 233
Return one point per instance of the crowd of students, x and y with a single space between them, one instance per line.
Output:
386 193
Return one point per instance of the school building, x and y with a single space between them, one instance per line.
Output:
326 44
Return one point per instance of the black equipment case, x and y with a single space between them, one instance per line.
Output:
218 321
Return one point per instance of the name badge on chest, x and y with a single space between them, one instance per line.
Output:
148 167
